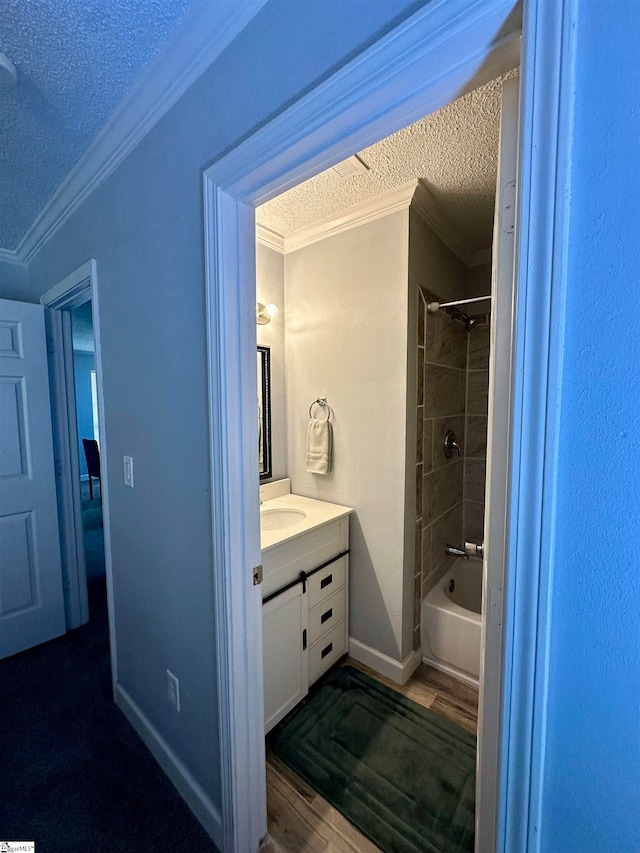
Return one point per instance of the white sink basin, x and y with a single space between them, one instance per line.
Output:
279 519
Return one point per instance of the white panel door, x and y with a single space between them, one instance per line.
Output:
31 598
284 654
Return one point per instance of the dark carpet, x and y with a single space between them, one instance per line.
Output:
399 772
75 776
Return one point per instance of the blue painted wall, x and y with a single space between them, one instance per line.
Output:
13 281
83 364
144 227
592 770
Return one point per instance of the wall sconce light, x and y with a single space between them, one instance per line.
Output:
265 313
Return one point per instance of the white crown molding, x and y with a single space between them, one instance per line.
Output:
414 194
351 217
9 257
269 238
204 34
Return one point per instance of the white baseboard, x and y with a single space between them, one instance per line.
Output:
390 668
190 791
84 477
451 670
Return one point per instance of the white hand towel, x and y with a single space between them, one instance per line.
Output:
319 446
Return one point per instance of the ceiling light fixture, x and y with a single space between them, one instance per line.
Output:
265 313
8 73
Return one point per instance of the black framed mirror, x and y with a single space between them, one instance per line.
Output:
264 413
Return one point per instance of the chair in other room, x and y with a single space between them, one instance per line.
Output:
92 455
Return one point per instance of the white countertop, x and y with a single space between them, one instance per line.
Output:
316 513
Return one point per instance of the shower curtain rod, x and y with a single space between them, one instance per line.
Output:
464 301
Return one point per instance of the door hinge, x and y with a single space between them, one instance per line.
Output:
509 208
495 604
304 640
51 346
257 576
57 468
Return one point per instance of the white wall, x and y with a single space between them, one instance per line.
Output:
346 304
350 333
432 264
478 284
270 288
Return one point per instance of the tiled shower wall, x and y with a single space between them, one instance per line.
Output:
442 350
475 446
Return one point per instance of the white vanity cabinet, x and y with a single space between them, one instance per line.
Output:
305 612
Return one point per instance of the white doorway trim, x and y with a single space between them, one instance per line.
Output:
503 295
446 48
74 290
542 228
67 467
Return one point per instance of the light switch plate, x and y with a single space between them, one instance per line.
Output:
127 462
173 690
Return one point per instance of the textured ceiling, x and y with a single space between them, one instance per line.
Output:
76 60
454 151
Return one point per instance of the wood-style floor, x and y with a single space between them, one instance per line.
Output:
301 821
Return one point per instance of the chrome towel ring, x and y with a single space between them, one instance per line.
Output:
322 402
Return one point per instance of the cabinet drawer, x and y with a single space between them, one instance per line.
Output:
327 651
283 563
327 581
324 616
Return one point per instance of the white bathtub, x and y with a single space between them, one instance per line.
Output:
451 622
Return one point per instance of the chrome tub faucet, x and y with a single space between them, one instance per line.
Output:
456 552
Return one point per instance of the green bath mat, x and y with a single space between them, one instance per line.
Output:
399 772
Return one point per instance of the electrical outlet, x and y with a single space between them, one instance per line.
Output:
173 690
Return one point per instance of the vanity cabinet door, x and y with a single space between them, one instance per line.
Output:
284 622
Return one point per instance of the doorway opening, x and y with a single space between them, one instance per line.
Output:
430 61
359 277
88 432
77 403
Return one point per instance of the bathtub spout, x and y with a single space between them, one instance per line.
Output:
456 552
